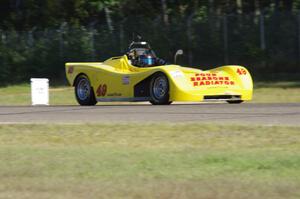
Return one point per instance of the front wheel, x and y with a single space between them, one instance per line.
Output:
159 90
84 92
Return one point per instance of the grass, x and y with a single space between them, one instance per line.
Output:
161 160
278 92
21 95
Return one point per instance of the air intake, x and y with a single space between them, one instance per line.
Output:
221 97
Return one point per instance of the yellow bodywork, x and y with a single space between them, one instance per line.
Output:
186 84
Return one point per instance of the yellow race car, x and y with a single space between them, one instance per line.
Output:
140 75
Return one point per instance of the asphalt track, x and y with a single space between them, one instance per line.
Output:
223 113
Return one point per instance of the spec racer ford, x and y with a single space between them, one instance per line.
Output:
139 75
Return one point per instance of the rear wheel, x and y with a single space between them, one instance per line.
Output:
84 92
235 101
159 90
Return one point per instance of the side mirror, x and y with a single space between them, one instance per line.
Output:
178 52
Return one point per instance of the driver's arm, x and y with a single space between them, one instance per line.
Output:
160 62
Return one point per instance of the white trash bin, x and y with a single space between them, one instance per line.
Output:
39 91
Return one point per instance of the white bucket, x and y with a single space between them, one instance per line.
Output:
39 91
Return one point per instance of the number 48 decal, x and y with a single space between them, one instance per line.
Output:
101 91
241 71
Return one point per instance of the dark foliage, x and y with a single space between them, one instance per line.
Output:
38 36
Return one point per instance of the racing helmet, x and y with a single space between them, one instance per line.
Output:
147 58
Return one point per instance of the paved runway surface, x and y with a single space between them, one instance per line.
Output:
262 114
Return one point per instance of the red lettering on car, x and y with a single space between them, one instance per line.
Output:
102 89
241 71
70 69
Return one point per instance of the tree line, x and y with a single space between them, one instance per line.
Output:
39 36
28 14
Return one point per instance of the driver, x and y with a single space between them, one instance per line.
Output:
144 58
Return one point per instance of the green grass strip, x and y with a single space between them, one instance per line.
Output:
149 161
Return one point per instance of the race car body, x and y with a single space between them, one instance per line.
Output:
117 79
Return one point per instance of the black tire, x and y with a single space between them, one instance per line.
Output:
235 101
84 92
159 90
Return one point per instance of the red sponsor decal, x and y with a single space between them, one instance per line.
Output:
70 69
207 79
102 89
241 71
